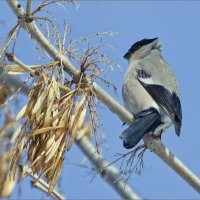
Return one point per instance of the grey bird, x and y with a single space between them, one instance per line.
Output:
150 93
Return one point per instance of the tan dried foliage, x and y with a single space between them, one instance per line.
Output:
53 121
85 131
6 184
4 92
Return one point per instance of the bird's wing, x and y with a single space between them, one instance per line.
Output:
167 100
155 66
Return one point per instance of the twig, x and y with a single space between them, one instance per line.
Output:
109 173
28 8
42 185
14 59
17 68
13 81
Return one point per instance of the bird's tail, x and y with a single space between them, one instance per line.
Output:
145 121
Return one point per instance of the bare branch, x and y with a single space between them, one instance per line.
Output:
170 159
5 78
28 8
14 82
12 58
110 174
42 185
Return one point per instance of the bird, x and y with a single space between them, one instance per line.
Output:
150 93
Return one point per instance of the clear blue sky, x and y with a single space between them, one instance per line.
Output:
177 26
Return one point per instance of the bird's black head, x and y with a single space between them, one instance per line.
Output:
137 46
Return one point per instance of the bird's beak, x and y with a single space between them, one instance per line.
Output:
127 55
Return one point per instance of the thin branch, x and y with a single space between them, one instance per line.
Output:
114 106
13 81
42 185
108 172
13 58
26 68
28 8
176 164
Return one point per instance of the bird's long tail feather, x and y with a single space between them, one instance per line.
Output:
145 121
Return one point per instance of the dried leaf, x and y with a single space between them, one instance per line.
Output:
38 158
32 150
22 113
52 151
50 142
18 69
55 176
43 130
40 101
50 105
81 118
55 87
39 116
55 112
8 184
72 137
16 73
48 123
85 131
79 105
4 92
65 117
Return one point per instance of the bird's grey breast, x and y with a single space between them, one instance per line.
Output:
134 95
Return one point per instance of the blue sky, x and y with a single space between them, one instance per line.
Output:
176 23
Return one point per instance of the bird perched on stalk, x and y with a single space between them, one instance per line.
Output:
150 93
